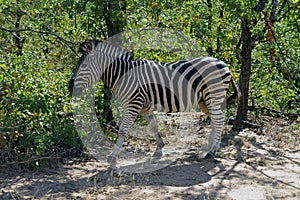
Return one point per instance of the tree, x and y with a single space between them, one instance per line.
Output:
257 22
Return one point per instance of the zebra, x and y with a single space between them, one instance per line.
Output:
145 86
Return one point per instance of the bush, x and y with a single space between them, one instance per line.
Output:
36 119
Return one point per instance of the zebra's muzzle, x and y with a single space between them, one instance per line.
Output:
71 85
75 91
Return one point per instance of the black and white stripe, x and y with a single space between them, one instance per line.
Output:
144 86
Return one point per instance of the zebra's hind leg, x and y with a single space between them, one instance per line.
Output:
129 117
150 118
216 113
217 122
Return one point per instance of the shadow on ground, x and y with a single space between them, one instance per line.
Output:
69 179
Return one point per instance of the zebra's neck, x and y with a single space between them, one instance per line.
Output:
115 71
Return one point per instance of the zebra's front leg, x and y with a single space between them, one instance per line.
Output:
112 158
129 117
160 144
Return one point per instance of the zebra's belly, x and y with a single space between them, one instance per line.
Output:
182 104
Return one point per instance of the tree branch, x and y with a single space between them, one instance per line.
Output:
10 31
260 5
37 31
273 11
285 13
281 7
14 31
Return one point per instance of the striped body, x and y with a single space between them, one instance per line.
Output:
168 87
144 86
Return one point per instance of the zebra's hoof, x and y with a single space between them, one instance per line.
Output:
112 171
210 155
157 154
112 160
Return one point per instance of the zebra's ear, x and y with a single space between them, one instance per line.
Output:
94 43
87 46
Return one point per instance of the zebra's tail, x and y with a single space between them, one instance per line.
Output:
236 96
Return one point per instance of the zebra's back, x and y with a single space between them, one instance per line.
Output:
173 87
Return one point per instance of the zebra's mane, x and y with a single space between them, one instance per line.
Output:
113 51
94 46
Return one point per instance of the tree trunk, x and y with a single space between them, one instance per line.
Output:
113 27
114 24
247 46
108 22
18 40
210 50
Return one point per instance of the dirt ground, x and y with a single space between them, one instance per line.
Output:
261 162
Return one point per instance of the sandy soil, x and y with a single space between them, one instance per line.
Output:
258 163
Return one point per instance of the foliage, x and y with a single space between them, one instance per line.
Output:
38 54
35 112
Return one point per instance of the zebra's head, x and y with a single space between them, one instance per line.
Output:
81 77
96 58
